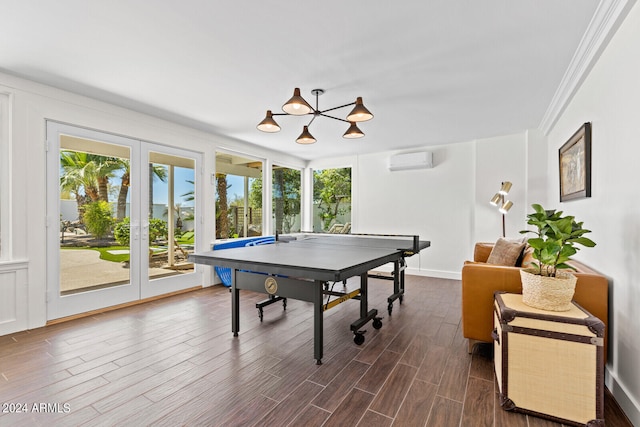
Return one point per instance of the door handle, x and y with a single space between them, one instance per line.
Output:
145 231
134 230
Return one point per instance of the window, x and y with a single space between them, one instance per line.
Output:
286 199
238 196
5 177
332 200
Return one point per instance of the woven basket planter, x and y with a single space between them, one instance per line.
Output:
548 293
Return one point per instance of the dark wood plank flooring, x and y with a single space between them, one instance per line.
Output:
175 362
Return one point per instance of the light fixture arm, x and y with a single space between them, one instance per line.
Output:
321 113
312 119
337 108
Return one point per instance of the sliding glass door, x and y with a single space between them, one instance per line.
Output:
112 237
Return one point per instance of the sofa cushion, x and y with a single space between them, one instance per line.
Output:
506 252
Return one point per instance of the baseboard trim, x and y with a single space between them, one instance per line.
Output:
116 307
630 407
453 275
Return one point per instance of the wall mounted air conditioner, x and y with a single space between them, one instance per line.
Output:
420 160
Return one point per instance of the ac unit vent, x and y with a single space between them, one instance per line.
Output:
420 160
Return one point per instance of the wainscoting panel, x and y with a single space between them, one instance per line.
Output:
13 304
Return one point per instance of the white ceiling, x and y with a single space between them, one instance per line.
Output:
431 72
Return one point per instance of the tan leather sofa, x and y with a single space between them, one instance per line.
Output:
481 280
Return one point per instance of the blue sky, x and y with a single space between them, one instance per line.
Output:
235 187
181 186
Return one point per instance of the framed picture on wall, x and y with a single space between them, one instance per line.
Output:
575 165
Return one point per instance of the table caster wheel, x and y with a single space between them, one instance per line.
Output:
377 323
358 339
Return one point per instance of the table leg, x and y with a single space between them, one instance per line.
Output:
365 314
364 289
235 304
402 269
318 329
398 283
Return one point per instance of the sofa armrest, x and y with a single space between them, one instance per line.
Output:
479 282
592 294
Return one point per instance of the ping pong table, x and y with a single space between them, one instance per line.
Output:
302 266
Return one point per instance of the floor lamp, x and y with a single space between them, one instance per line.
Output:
503 205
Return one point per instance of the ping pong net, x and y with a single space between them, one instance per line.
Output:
409 244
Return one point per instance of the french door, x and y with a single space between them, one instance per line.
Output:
121 217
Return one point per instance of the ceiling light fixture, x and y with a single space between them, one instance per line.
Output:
297 106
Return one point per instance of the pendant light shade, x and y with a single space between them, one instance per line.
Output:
297 106
305 137
359 112
353 132
268 124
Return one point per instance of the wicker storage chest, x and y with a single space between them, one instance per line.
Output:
549 364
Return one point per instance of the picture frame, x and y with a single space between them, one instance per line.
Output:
575 165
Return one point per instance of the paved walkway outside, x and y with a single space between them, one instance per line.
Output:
83 268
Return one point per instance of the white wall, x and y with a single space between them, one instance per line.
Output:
500 159
31 104
536 161
609 98
432 203
447 204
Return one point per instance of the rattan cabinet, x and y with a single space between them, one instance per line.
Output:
549 364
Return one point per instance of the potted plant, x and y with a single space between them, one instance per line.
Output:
547 284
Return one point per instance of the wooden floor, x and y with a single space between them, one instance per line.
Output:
175 362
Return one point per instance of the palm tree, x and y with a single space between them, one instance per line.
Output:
222 220
125 181
89 171
188 197
78 173
156 171
105 168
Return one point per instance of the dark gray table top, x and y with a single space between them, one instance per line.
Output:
323 258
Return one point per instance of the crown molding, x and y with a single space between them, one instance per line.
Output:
605 22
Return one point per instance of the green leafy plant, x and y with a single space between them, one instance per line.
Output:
98 219
157 229
557 237
121 231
